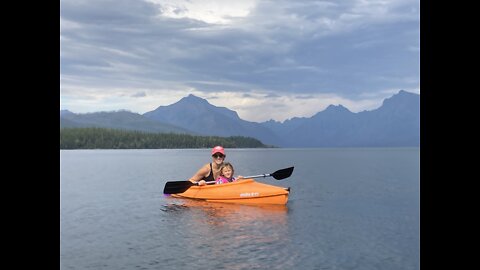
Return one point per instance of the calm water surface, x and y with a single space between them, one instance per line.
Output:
348 209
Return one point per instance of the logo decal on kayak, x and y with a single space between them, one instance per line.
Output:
250 194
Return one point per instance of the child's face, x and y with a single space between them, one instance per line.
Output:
227 172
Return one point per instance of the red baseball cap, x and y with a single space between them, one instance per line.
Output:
218 149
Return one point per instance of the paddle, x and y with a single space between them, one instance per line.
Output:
279 175
173 187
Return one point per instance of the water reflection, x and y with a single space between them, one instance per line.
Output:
236 236
233 216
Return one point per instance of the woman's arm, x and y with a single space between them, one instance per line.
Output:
202 172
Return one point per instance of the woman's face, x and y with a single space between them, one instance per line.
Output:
218 158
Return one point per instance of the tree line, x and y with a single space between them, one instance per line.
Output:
104 138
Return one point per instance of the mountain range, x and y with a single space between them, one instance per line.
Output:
396 123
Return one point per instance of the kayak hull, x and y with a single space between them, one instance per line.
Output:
244 191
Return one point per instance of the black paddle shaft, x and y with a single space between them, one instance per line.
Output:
280 174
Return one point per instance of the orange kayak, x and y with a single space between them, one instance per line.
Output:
244 191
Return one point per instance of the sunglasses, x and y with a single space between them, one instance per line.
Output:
218 156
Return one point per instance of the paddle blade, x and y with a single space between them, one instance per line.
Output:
283 173
174 187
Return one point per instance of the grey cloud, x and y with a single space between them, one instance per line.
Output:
140 94
283 46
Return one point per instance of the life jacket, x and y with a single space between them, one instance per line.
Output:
223 180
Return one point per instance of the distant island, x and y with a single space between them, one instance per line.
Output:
104 138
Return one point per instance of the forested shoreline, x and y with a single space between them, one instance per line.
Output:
103 138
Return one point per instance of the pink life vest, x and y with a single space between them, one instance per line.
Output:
223 180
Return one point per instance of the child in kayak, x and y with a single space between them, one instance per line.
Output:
226 174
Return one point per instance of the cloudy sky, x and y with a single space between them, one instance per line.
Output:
265 59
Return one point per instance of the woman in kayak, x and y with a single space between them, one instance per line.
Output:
226 174
210 171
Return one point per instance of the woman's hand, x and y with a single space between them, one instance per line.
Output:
201 183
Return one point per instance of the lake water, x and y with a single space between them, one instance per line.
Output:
349 208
